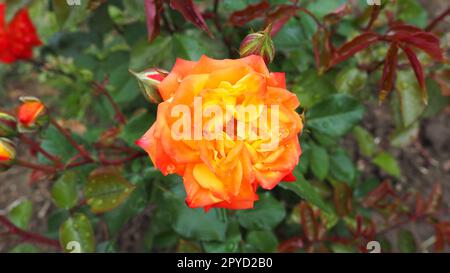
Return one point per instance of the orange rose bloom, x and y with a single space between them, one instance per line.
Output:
225 171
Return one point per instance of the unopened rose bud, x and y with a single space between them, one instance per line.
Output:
7 154
149 81
31 114
8 125
259 43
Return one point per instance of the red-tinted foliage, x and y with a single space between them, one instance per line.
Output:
251 12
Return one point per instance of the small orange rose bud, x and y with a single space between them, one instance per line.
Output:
259 43
149 81
8 125
31 114
7 154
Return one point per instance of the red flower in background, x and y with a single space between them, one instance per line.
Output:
18 37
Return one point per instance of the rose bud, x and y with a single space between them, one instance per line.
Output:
32 114
7 154
259 43
149 81
8 125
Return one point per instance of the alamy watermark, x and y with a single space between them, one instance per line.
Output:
374 2
73 2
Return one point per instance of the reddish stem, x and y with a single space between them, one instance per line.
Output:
69 138
373 17
104 161
78 164
310 14
100 88
33 166
26 235
437 20
35 146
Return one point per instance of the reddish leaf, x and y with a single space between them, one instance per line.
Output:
379 193
323 51
374 13
389 71
398 27
190 12
358 43
37 176
370 230
152 10
418 71
414 36
359 222
291 245
335 16
280 16
443 79
435 198
420 205
309 222
429 43
442 231
251 12
342 199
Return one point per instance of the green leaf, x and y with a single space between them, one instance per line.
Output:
350 80
194 43
64 191
185 246
365 140
323 7
267 214
320 161
20 215
305 158
342 167
341 248
231 243
62 11
387 163
261 241
409 95
13 6
335 116
56 144
436 100
106 247
305 190
24 248
54 221
412 12
158 53
136 127
198 224
404 136
106 189
406 242
364 187
69 16
311 88
134 205
77 230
